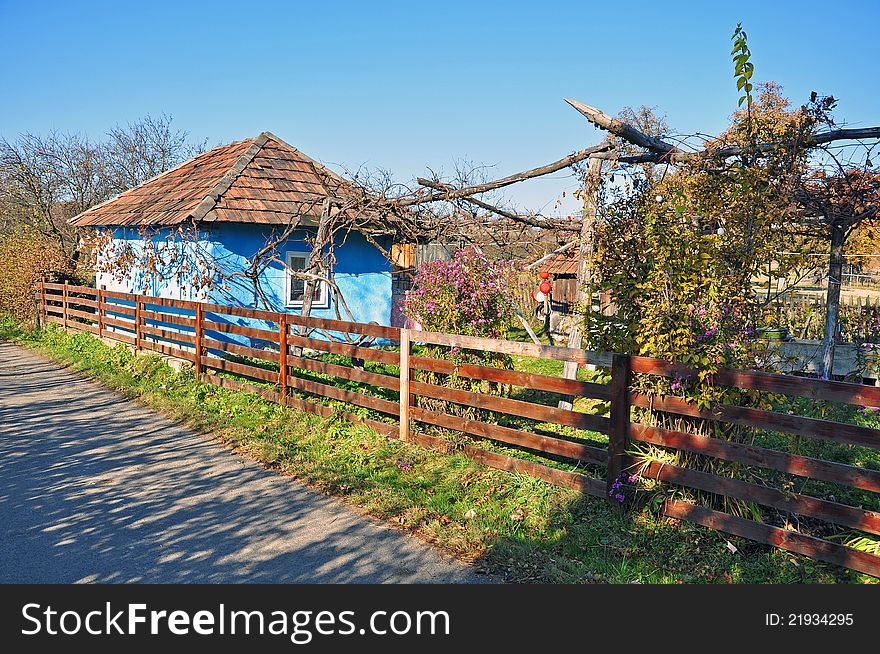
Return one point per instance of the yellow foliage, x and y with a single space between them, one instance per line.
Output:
680 253
865 240
24 259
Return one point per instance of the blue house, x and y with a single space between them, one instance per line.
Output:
193 232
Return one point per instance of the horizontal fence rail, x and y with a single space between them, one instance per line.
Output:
415 386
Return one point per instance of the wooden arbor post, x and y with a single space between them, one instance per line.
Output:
832 302
405 345
584 289
621 372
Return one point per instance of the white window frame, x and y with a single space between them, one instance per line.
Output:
323 299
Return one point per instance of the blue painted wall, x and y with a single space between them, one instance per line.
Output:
362 273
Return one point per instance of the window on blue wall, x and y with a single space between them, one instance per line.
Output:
296 287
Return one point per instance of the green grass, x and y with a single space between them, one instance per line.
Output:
513 525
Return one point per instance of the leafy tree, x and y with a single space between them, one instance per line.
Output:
680 249
753 204
835 205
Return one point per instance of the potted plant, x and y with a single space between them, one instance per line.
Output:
774 333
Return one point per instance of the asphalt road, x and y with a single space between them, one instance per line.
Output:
95 488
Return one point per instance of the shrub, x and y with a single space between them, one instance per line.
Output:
24 259
471 295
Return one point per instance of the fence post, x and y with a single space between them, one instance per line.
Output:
621 371
64 304
137 323
282 360
43 313
197 357
100 313
404 384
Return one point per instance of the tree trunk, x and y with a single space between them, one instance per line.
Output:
832 303
584 292
317 251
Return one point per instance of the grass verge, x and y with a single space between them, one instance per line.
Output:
512 525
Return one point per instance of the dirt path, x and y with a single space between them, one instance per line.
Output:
94 488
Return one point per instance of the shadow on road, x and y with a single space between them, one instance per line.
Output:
97 489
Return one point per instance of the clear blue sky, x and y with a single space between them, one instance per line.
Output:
404 86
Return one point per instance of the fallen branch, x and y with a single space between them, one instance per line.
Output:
455 194
531 220
624 130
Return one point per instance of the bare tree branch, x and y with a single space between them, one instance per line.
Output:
531 220
666 152
476 189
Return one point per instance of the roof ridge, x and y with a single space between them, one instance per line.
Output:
213 198
72 221
313 162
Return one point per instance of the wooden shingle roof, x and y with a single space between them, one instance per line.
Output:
560 263
260 180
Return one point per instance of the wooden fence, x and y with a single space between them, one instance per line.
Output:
803 313
584 451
